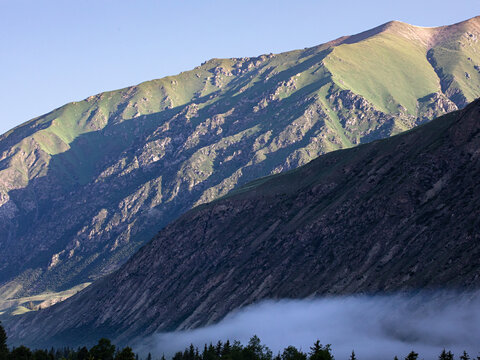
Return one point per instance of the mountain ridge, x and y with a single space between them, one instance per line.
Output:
429 36
82 187
392 215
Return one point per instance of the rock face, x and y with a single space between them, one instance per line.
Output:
83 187
392 215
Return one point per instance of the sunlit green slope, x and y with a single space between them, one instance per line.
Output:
82 187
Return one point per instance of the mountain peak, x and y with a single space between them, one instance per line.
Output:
427 36
422 34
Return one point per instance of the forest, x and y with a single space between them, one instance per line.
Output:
254 350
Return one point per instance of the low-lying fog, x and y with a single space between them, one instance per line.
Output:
376 327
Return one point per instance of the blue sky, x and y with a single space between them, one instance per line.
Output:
56 51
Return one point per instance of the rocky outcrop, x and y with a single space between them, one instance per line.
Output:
84 186
394 215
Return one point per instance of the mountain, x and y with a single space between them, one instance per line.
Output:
399 214
84 186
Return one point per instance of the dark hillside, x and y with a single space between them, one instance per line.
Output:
393 215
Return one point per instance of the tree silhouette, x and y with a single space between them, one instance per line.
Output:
21 353
104 350
256 351
125 354
320 352
227 349
42 355
412 356
83 354
445 355
3 343
291 353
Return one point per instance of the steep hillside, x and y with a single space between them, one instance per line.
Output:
83 187
393 215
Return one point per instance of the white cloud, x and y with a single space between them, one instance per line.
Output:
376 327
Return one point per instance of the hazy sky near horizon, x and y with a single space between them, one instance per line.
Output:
56 51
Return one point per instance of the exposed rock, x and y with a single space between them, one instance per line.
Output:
94 180
394 215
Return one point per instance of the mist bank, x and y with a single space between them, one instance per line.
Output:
376 327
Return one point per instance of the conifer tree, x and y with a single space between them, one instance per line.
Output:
256 351
226 348
464 356
205 352
291 353
125 354
21 353
42 355
218 348
191 352
3 343
445 355
236 350
83 354
209 353
320 352
178 356
104 350
352 356
412 356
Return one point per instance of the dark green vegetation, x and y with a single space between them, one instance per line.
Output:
103 350
254 350
398 214
84 186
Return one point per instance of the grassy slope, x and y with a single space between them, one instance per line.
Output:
456 59
317 171
58 129
387 69
29 303
293 253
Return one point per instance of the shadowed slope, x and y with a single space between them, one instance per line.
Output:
396 214
84 186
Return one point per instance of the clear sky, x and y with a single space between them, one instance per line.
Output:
56 51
